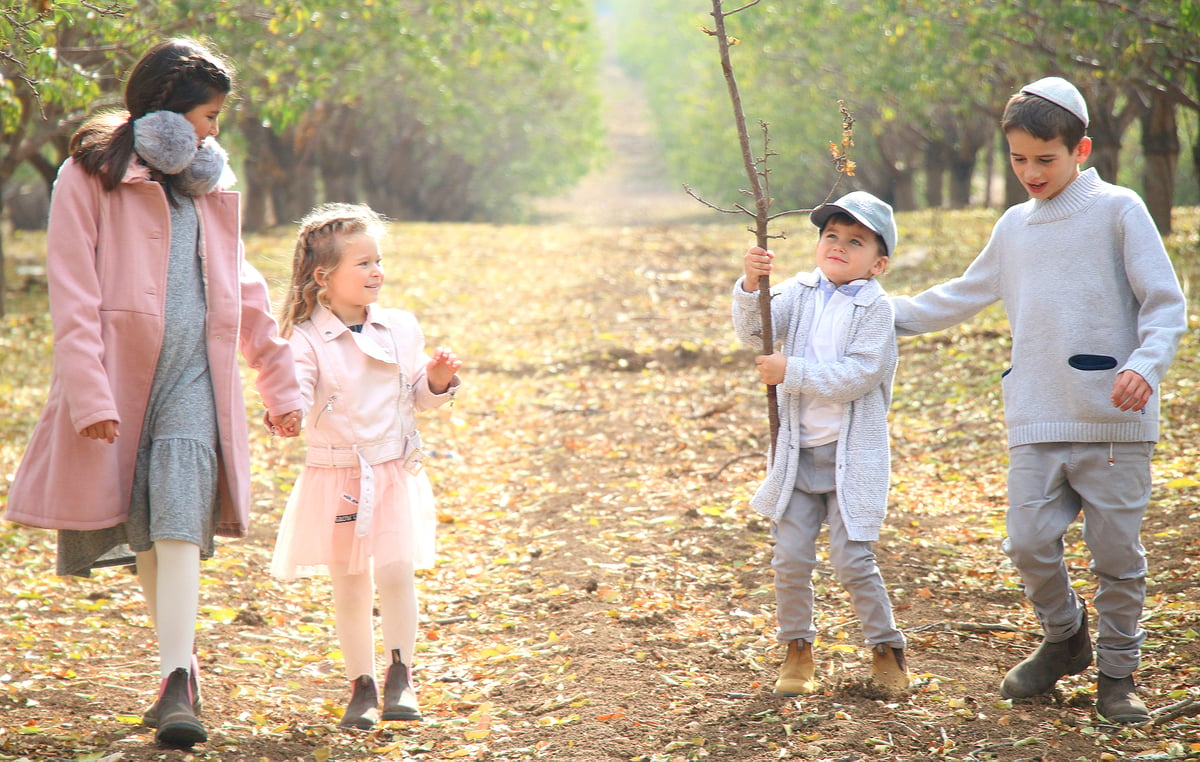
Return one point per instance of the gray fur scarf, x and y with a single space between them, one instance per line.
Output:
166 141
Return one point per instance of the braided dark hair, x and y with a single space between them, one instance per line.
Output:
175 75
318 248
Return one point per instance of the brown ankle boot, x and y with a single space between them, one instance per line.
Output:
1038 673
363 710
796 674
177 723
150 718
887 667
399 698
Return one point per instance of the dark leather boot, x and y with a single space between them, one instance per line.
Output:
150 718
399 699
363 710
177 723
1038 673
1117 701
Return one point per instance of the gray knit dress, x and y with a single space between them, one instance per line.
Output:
175 480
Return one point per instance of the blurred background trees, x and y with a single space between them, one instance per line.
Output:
443 111
927 81
467 109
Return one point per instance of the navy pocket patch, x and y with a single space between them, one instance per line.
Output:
1092 362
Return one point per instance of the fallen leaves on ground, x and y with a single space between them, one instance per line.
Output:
603 590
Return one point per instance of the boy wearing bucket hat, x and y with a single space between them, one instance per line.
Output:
831 461
1096 313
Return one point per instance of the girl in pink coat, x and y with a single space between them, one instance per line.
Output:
362 509
141 454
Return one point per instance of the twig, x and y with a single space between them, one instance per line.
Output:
762 203
1162 715
731 461
947 626
758 173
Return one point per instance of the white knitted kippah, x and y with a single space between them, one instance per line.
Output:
1061 93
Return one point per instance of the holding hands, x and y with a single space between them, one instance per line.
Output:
286 425
440 370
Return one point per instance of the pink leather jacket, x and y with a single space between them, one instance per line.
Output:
362 392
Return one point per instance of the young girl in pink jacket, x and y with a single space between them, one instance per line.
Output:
142 450
362 509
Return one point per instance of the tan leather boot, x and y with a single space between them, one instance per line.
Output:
887 668
797 673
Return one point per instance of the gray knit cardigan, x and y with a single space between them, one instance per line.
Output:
861 381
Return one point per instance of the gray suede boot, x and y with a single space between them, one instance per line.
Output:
150 718
399 698
1038 673
363 710
1117 701
177 723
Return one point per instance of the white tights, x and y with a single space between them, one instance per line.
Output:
170 577
353 596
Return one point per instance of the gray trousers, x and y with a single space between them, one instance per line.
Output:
1048 486
813 502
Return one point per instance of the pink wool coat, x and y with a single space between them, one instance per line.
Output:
107 256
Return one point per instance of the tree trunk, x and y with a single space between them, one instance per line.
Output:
258 173
1160 145
1014 191
935 176
296 193
3 280
962 169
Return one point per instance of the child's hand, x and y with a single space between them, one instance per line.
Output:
106 430
1130 391
286 425
440 370
757 262
771 368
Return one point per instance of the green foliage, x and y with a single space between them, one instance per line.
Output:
508 90
921 77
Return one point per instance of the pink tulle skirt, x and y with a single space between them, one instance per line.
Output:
317 534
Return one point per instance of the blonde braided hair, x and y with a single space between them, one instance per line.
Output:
318 249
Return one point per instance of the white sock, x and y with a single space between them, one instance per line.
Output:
353 596
178 600
398 609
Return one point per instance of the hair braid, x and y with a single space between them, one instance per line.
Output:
318 249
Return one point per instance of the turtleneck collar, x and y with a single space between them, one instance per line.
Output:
1079 194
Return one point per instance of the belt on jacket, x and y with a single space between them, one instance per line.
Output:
366 497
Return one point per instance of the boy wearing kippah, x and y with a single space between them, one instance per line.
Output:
1096 313
830 464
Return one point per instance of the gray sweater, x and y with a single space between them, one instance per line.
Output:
861 381
1089 292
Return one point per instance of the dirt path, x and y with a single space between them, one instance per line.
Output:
633 185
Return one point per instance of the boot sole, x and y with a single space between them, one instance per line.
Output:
405 715
1126 719
181 734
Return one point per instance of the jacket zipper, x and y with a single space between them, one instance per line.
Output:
328 406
